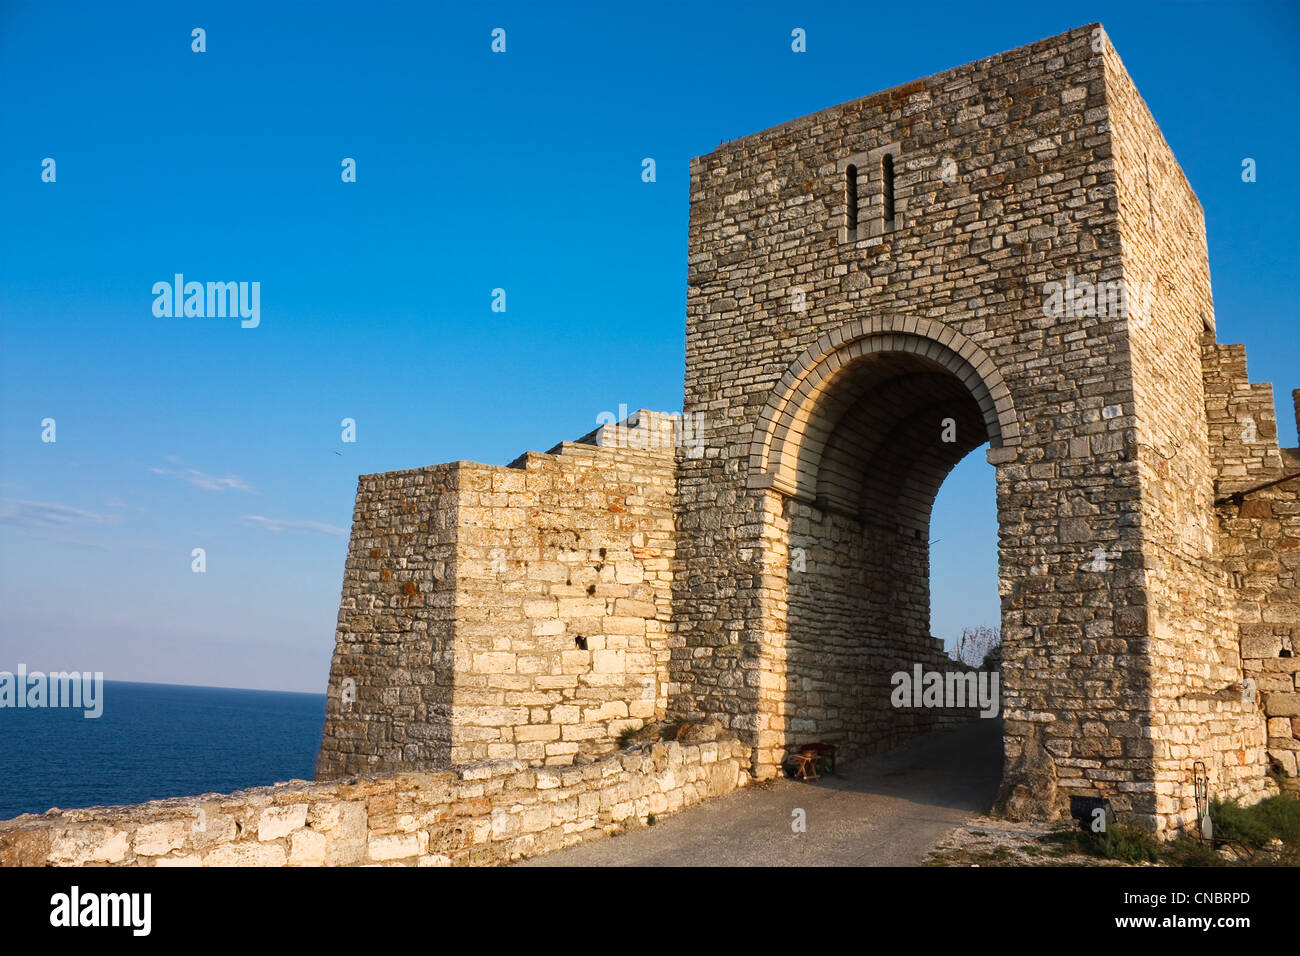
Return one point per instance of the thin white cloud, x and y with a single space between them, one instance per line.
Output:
205 481
44 514
278 525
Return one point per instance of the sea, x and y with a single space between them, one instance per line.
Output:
154 741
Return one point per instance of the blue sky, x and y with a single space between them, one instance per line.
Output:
475 171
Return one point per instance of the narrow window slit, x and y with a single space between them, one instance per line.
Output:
851 199
887 169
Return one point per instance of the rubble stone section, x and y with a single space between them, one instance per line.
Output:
394 653
501 613
1258 510
481 815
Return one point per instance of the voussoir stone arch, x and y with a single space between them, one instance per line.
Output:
795 421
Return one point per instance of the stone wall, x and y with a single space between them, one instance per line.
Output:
824 353
1183 609
493 613
484 814
857 612
389 700
1258 511
1004 182
564 597
775 574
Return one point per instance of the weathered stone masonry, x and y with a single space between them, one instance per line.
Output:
482 814
869 301
842 369
501 613
1036 166
1258 511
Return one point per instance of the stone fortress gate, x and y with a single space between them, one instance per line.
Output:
1005 254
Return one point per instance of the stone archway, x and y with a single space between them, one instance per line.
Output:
642 583
793 400
850 451
1122 658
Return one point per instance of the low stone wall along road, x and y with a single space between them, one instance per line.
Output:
883 810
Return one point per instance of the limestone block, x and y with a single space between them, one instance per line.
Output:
211 828
397 846
607 711
79 845
609 662
158 839
1261 646
324 816
246 854
307 848
276 822
1282 705
626 607
535 732
1285 760
535 819
495 663
347 840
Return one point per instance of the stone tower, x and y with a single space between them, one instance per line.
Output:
1003 254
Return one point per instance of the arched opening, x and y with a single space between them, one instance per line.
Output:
855 446
965 607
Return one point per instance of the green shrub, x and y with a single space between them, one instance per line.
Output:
1282 812
1273 817
1126 844
1187 852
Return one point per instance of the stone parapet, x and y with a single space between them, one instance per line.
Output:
481 814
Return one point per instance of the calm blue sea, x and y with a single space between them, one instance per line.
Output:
153 741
